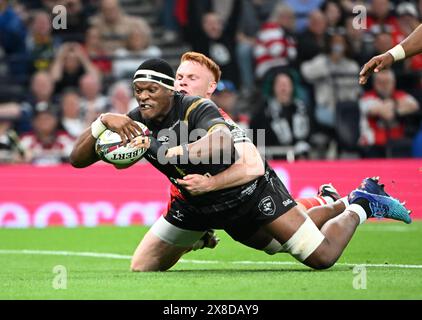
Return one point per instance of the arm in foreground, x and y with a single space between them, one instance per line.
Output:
247 167
409 47
213 144
83 152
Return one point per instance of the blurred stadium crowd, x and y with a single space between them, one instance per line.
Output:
289 67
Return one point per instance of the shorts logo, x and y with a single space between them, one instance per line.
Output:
287 202
178 215
267 206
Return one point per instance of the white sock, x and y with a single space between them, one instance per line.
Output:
355 208
273 247
198 245
345 200
328 199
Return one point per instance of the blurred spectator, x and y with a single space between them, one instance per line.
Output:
384 41
275 46
168 20
40 96
302 10
3 65
137 49
381 18
40 43
349 5
334 79
69 65
220 43
360 49
384 114
334 14
223 8
120 98
12 39
46 145
93 102
22 11
89 6
33 4
226 98
284 118
72 120
115 25
48 5
96 52
11 150
312 41
76 22
408 18
210 36
254 13
188 15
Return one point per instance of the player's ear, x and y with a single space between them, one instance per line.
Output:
211 87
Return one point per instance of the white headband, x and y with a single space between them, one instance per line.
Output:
154 76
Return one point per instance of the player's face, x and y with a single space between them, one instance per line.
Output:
194 79
154 100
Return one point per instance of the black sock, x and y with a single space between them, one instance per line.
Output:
364 203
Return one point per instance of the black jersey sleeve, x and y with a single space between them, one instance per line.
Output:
134 115
204 114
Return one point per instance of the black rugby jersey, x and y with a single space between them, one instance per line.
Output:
188 114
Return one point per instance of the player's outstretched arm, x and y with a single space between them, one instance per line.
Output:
83 153
409 47
412 45
376 64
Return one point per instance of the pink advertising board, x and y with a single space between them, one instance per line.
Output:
101 195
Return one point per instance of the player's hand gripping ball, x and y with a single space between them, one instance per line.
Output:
110 149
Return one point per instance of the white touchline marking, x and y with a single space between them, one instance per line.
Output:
67 253
389 229
126 257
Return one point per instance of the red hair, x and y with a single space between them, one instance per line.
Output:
204 61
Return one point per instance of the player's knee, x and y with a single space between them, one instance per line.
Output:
140 266
137 267
273 247
321 259
321 264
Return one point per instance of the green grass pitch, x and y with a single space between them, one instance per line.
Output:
60 263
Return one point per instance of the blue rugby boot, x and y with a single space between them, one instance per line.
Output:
372 185
381 204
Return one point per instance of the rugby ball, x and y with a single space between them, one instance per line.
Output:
109 148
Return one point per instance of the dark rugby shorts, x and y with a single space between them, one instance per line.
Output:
269 201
